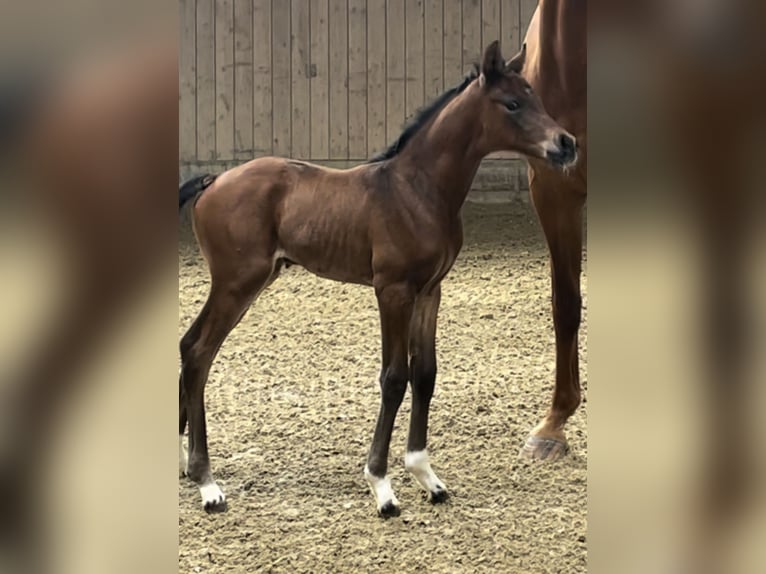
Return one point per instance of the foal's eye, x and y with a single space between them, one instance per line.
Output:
512 105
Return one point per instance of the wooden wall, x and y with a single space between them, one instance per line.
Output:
324 80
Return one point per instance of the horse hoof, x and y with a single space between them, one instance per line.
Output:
438 496
389 510
545 449
213 498
216 506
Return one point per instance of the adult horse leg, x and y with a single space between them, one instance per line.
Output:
422 380
559 208
226 304
396 305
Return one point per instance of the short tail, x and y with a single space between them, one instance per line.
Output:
192 188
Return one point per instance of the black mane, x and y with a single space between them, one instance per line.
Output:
423 116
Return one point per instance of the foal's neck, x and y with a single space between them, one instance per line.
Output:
447 152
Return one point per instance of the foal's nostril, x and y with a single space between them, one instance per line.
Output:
565 151
566 142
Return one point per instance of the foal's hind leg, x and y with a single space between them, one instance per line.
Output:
422 380
396 304
188 340
226 305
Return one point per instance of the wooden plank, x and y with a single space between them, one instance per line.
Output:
243 79
526 10
510 39
224 79
281 78
453 43
395 71
414 57
262 79
357 79
320 80
472 48
338 19
205 81
433 67
490 31
187 81
376 76
490 22
509 43
301 95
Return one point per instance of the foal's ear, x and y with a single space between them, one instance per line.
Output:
516 64
492 64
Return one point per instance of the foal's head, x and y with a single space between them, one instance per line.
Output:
513 116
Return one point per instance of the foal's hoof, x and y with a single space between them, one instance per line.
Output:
438 496
213 499
215 507
389 510
545 449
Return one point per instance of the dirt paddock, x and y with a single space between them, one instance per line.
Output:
292 400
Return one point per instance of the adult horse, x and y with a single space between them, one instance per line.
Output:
555 66
393 223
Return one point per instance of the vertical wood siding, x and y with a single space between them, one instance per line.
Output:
324 79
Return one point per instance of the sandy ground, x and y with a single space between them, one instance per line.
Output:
292 400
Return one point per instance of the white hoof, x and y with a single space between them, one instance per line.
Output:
381 489
213 499
416 463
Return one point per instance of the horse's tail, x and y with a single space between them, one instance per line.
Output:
193 187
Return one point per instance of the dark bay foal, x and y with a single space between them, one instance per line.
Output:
393 223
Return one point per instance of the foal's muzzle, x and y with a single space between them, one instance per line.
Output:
565 152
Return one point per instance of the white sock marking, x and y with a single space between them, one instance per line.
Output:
183 457
211 493
416 462
381 489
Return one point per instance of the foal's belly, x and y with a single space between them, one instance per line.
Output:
338 244
328 238
347 266
358 275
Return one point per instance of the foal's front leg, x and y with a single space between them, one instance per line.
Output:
422 381
396 304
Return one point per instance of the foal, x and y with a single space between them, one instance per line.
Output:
393 223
